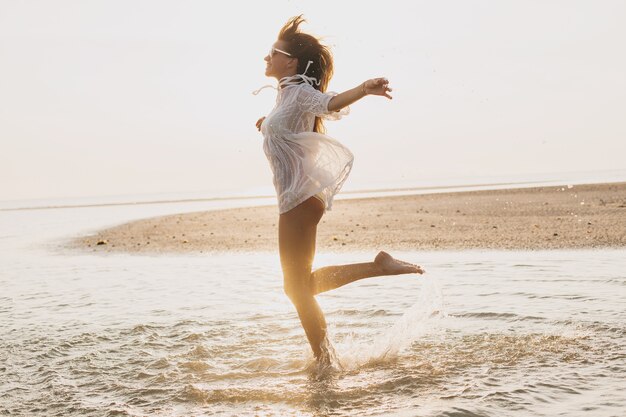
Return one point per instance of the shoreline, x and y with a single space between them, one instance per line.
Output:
554 217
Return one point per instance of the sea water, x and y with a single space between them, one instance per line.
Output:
482 333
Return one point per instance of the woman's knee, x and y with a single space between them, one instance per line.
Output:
298 290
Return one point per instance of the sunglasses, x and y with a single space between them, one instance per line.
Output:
274 50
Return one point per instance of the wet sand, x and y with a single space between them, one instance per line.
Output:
582 216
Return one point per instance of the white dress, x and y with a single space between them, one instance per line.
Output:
304 163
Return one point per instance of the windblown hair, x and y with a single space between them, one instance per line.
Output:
307 48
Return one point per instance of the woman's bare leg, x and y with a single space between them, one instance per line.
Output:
297 231
331 277
296 240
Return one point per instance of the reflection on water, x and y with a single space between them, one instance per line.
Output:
484 333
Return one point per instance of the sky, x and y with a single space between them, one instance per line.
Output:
140 97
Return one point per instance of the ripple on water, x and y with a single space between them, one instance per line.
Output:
515 343
432 365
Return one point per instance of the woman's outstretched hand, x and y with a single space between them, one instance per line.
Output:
259 122
377 87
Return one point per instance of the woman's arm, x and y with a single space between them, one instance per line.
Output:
375 86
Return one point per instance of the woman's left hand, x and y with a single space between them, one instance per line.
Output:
259 123
377 87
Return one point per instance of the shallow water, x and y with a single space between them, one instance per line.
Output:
483 333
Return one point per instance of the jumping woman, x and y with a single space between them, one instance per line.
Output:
309 169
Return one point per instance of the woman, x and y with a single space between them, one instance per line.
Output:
309 169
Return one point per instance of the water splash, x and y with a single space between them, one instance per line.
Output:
414 322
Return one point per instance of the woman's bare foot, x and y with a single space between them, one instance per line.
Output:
391 266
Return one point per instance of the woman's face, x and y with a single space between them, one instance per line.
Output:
280 65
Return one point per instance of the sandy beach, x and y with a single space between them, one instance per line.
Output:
581 216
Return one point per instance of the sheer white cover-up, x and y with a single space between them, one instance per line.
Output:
304 163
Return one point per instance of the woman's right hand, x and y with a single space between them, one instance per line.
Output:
259 122
377 86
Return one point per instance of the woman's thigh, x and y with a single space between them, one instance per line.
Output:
296 238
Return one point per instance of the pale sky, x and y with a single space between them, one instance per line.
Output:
134 97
